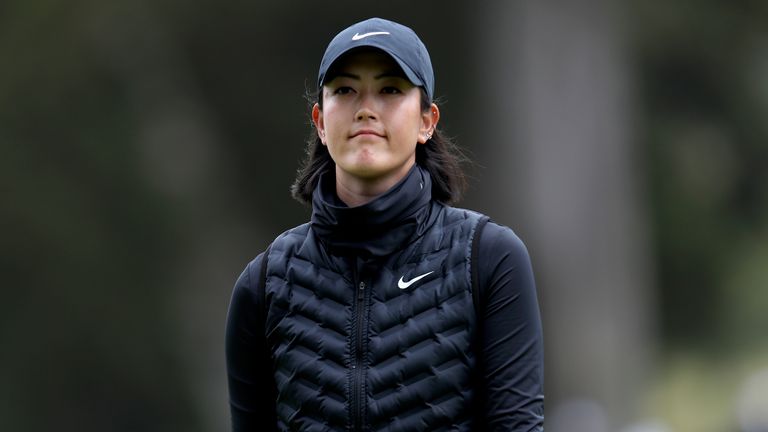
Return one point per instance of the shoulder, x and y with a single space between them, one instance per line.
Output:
252 270
468 219
494 236
504 265
289 239
296 233
245 291
500 239
458 212
502 254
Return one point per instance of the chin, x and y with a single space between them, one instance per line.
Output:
367 173
365 167
362 170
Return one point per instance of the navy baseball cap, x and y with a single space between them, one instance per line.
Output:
397 40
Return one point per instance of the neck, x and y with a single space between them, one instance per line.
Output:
380 226
354 191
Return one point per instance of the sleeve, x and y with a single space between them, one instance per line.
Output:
252 390
510 334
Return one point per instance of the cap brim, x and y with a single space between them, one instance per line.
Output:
409 73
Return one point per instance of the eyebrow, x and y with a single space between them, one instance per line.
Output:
385 74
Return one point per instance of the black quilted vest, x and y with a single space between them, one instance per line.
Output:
370 317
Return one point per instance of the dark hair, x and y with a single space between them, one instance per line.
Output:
439 156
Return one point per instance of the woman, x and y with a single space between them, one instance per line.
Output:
390 310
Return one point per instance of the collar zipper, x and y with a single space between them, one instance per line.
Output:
357 402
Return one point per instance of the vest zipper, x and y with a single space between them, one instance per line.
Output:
358 380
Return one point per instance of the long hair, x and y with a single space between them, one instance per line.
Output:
440 156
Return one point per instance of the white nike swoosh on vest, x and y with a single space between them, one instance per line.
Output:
359 36
403 285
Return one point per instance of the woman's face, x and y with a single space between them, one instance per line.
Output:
372 120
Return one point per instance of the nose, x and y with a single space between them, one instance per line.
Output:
366 109
365 114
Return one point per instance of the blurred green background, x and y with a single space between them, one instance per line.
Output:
148 149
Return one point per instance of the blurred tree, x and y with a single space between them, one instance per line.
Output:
703 79
86 241
702 70
557 120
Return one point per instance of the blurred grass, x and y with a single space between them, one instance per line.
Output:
698 393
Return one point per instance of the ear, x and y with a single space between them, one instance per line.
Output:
429 120
317 119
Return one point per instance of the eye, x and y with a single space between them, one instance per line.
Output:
391 90
343 90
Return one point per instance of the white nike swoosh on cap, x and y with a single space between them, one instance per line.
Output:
359 36
403 285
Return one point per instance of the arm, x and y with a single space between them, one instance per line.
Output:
252 390
511 343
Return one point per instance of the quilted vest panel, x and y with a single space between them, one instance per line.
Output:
380 346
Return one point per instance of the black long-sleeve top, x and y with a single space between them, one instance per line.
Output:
510 346
510 331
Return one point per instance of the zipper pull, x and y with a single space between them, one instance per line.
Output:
362 285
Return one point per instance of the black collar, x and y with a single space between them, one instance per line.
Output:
379 227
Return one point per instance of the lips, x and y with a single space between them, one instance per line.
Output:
367 132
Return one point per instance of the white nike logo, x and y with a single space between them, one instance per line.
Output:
359 36
403 285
